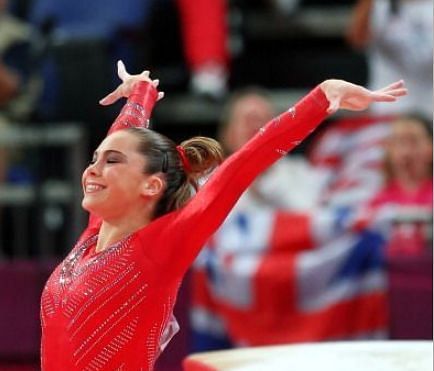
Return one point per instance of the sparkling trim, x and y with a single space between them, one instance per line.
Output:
276 122
103 290
101 331
113 347
105 302
96 298
282 152
70 270
137 112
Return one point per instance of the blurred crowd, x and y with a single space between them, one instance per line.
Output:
311 250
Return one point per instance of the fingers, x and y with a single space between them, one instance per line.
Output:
145 75
382 97
395 85
122 72
114 96
397 92
128 81
111 98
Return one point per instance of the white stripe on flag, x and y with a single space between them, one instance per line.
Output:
315 272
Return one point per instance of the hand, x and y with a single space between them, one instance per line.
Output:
127 85
344 95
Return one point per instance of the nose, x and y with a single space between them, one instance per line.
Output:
94 169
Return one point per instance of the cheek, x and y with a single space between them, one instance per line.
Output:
427 150
127 185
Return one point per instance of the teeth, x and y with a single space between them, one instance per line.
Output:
93 187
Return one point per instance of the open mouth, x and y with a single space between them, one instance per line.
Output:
93 188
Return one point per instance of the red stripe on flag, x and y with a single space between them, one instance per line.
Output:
272 325
200 294
291 232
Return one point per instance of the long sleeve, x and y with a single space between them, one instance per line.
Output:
135 113
188 229
138 108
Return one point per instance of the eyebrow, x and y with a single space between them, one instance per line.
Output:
109 151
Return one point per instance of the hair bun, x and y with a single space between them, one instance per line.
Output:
201 154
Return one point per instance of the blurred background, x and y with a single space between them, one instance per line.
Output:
332 243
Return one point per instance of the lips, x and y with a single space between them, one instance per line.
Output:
91 187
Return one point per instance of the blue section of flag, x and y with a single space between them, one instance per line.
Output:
211 270
242 222
201 341
365 256
342 214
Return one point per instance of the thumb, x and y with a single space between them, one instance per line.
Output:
334 105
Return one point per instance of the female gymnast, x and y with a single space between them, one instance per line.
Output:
108 305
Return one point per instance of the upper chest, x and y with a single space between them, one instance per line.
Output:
113 282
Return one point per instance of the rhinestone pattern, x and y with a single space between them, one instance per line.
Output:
132 115
96 307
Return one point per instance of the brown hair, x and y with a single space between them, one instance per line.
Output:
202 153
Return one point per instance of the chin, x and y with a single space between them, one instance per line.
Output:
88 205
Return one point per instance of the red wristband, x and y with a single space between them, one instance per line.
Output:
137 110
145 95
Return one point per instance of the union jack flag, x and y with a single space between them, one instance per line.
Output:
272 276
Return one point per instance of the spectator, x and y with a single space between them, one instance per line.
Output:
88 36
14 66
284 184
402 211
204 28
407 196
398 38
18 88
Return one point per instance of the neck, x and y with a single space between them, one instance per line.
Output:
114 231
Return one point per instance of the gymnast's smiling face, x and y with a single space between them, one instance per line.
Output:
115 184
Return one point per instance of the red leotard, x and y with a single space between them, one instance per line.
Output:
112 310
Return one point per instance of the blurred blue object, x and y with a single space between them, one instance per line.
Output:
19 174
90 18
83 39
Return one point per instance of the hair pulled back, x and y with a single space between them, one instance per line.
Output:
162 156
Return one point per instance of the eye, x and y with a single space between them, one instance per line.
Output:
112 161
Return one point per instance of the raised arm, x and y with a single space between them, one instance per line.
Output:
200 218
142 94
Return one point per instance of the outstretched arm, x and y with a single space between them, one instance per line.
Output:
196 222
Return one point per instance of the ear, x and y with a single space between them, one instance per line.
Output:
153 186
